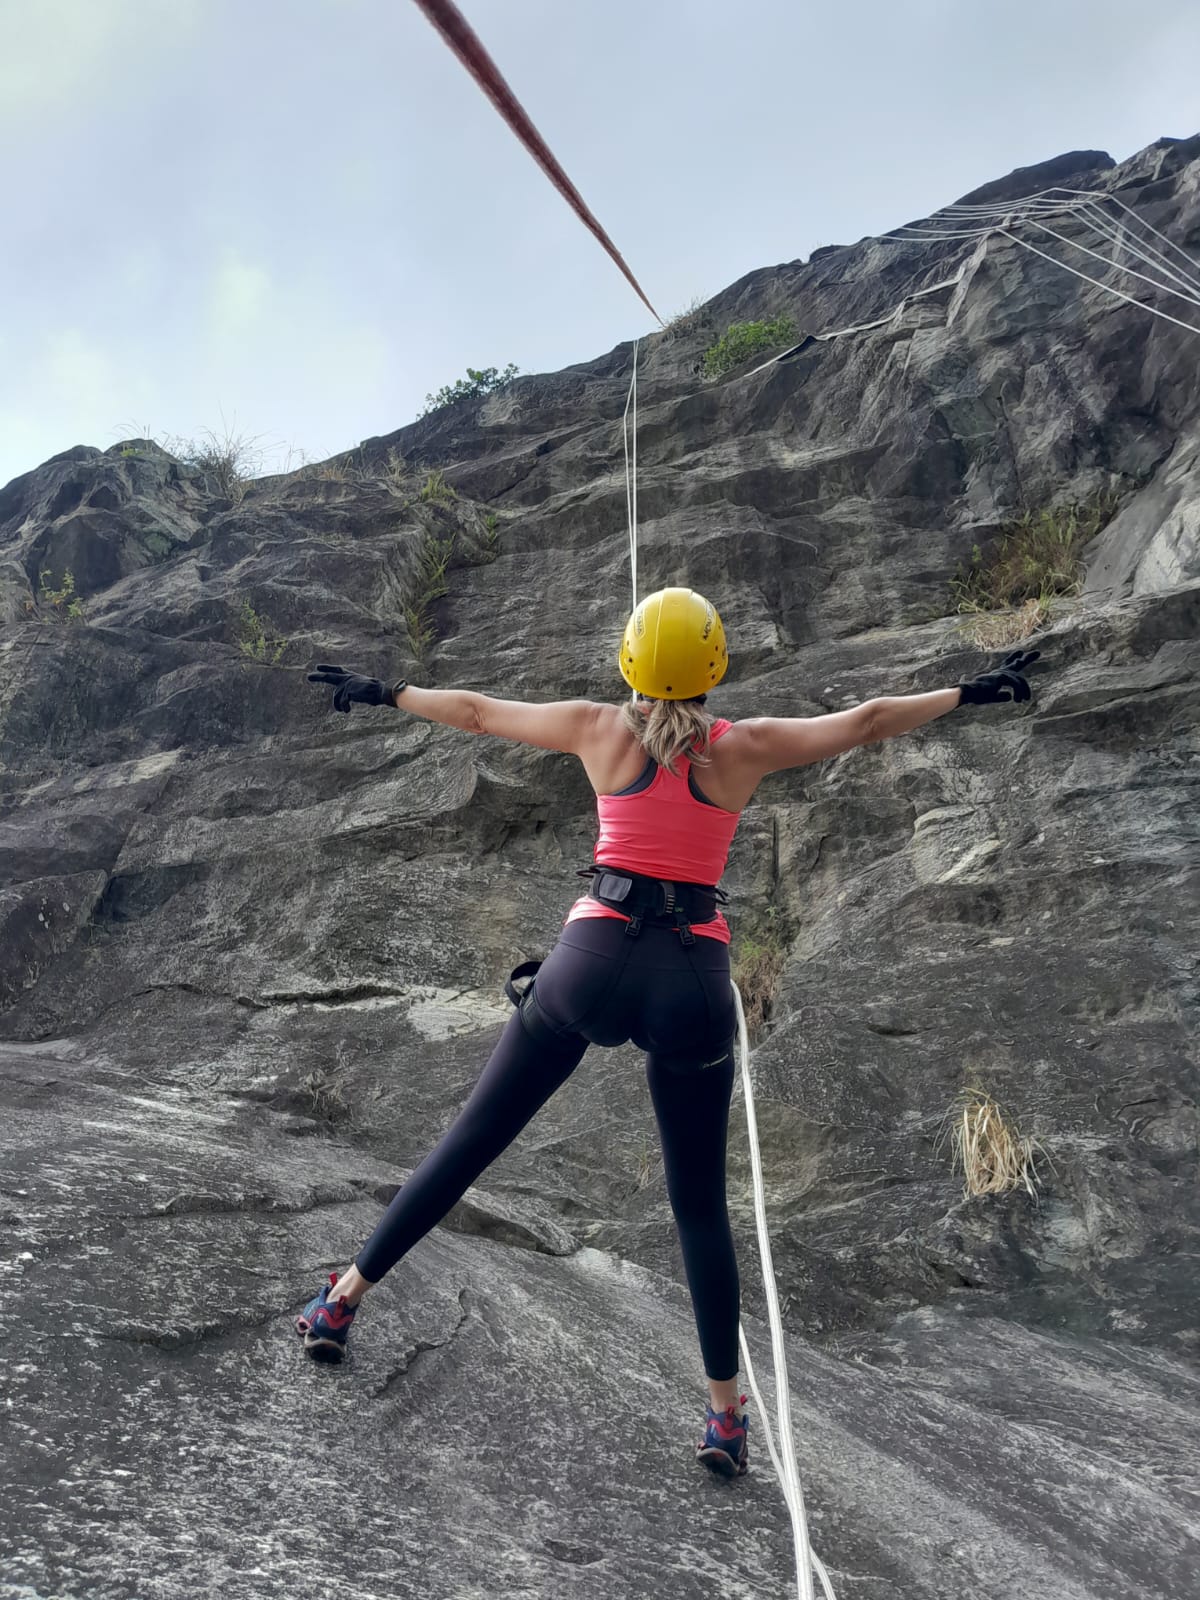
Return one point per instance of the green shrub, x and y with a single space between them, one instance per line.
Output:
431 586
435 489
1039 556
63 603
741 340
474 386
257 639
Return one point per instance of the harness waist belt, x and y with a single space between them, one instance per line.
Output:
653 899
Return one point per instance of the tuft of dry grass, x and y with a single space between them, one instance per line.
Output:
992 1156
397 473
323 1095
227 459
690 320
996 630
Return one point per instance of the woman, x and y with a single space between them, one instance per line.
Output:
643 956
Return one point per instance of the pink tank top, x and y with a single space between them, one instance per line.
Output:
663 827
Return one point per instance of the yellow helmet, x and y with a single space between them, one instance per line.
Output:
674 646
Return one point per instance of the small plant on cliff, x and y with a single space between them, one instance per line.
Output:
435 490
257 639
396 472
322 1096
758 959
62 603
491 536
690 320
228 459
647 1162
741 340
1039 558
431 586
477 383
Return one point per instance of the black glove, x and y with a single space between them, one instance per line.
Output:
1005 683
352 687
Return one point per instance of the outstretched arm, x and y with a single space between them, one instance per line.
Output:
557 725
896 714
568 725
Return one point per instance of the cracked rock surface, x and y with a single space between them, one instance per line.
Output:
252 956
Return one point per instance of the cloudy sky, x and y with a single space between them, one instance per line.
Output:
292 218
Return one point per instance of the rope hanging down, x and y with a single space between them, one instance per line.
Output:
783 1459
463 40
786 1470
631 475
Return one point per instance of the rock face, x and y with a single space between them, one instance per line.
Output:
252 960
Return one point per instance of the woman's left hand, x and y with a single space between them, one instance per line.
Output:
350 687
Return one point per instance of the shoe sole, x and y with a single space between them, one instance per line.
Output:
321 1349
721 1463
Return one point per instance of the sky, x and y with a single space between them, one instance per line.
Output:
290 220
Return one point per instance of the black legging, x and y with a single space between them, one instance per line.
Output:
599 986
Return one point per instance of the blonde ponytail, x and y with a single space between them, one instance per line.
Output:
669 729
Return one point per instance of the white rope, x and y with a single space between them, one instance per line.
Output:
1084 200
1179 276
1188 291
1123 238
786 1469
1009 220
1189 294
631 473
1107 287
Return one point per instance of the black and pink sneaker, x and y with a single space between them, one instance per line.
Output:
723 1448
324 1326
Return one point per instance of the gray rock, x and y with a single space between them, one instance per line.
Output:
253 953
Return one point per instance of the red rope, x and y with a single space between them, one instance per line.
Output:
462 39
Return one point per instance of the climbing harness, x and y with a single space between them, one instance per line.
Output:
656 900
519 986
